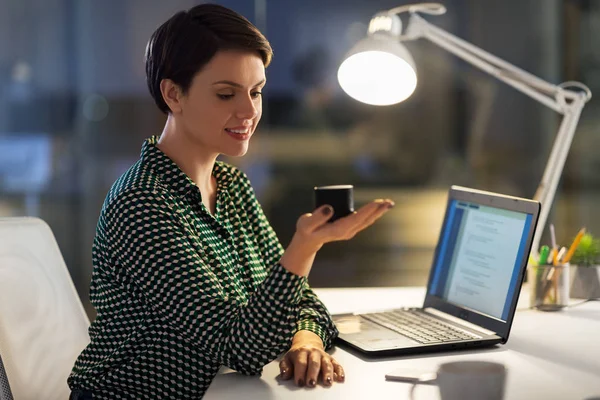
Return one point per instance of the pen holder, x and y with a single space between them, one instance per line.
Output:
549 286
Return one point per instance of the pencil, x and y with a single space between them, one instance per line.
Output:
561 254
574 245
552 257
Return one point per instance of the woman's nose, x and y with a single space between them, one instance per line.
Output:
248 109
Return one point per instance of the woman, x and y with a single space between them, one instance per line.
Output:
188 274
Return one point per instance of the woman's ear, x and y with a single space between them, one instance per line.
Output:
171 93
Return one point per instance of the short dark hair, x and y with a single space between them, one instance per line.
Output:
180 47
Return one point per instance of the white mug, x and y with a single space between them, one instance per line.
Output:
466 380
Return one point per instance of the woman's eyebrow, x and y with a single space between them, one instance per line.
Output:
235 84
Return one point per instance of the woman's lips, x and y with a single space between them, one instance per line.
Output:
242 133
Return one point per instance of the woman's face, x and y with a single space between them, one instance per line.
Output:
223 105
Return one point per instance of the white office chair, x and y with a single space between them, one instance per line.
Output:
43 326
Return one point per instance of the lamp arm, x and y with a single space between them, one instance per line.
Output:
560 149
531 85
559 98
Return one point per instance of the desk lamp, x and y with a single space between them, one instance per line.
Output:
379 70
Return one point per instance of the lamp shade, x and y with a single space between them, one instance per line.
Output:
378 70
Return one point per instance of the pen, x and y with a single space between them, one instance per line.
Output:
532 261
542 272
544 254
574 245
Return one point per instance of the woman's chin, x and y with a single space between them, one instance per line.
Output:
240 152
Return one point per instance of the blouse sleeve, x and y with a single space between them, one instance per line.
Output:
150 248
314 316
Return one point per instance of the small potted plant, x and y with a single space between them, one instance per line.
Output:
586 280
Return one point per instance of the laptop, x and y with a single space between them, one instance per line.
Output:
478 267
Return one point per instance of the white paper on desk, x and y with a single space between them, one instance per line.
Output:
406 374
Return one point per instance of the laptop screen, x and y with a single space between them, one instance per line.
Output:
479 255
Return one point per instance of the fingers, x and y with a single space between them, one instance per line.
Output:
345 228
338 371
361 214
314 225
326 371
286 369
310 222
314 366
368 214
375 207
381 209
307 366
300 366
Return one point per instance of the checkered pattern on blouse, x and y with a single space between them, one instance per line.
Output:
5 393
180 292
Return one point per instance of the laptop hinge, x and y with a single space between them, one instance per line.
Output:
452 318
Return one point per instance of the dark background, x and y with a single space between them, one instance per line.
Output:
74 111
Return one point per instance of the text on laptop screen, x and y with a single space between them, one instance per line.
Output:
480 251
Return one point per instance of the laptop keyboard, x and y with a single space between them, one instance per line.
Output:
419 327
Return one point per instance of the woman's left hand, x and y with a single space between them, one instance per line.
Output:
306 361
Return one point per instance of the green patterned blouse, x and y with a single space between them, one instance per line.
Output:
180 292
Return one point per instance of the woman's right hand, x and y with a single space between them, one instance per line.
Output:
313 231
313 227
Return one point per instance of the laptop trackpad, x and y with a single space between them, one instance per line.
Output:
358 330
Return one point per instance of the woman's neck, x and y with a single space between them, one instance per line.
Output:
188 155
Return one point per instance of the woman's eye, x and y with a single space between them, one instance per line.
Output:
254 95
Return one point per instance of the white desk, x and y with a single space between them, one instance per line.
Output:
549 356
